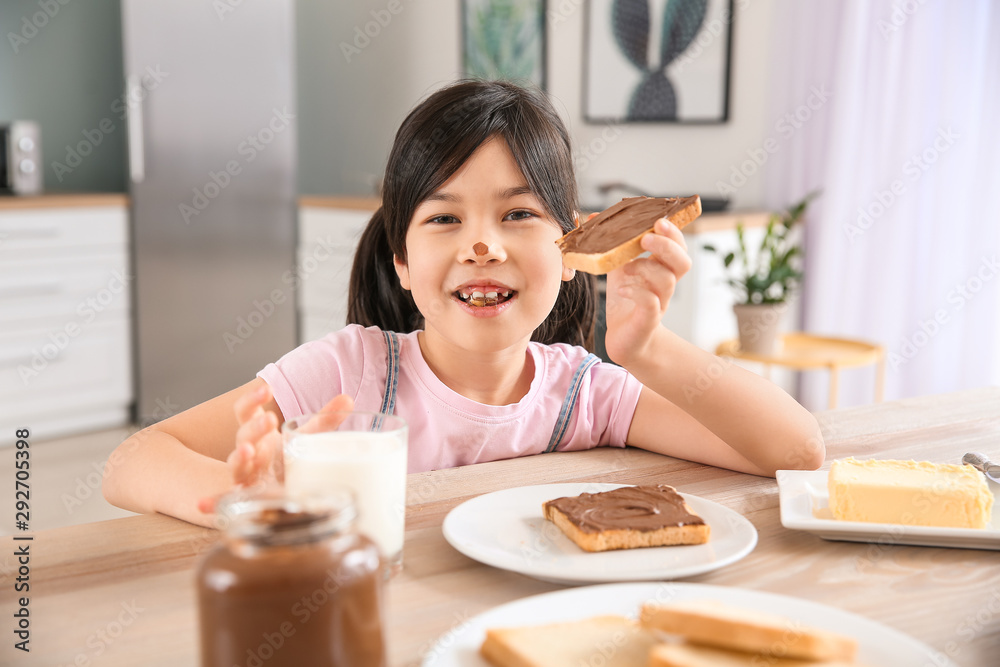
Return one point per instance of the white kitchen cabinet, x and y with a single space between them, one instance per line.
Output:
329 230
65 306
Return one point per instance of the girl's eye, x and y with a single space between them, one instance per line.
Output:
443 220
519 215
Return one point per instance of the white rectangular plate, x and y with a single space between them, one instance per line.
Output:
804 506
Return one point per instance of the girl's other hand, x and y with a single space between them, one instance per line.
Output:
258 441
640 291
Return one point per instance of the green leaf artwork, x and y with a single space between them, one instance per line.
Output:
503 40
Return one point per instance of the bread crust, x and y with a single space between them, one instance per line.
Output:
608 540
688 655
612 258
499 649
723 626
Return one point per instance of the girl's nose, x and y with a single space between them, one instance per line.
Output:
483 252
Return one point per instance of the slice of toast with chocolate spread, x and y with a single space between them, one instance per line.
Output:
612 237
626 518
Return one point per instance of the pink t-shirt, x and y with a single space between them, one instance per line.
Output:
447 429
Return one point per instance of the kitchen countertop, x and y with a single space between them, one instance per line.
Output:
122 592
63 200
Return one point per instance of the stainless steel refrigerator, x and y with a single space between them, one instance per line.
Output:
209 102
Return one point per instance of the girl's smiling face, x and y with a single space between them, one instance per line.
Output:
481 259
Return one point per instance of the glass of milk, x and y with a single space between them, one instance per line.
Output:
363 451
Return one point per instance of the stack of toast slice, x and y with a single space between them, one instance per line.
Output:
700 633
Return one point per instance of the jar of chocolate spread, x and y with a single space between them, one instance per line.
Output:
290 584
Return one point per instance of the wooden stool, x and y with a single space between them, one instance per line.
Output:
803 351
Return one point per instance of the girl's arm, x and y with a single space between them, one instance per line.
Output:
697 406
169 466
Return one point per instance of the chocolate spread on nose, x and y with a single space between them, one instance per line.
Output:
620 223
315 602
642 508
480 249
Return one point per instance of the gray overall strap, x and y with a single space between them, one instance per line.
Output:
392 344
569 403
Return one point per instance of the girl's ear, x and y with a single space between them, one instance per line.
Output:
402 271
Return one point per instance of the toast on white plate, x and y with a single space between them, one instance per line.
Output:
609 641
691 655
627 518
711 623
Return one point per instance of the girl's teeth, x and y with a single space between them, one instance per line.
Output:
478 298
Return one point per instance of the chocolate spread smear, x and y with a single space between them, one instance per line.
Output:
642 508
620 223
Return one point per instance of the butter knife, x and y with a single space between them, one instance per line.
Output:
980 462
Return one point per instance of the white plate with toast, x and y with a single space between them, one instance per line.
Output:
804 506
506 529
878 645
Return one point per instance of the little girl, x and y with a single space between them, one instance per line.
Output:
466 324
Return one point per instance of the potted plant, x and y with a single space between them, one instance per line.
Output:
765 280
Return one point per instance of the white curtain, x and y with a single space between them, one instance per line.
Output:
895 115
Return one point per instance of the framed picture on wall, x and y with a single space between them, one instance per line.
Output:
504 39
663 61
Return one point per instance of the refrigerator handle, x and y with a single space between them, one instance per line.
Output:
136 154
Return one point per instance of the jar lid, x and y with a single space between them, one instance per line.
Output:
270 515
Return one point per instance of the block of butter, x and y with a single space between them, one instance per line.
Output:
914 493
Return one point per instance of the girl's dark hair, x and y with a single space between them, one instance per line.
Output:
438 136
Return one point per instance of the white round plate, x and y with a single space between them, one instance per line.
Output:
877 644
506 529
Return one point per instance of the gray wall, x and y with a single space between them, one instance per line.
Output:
66 75
336 95
355 89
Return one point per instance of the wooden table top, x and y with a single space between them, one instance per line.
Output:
122 592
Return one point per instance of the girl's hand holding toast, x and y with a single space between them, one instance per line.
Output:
640 291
